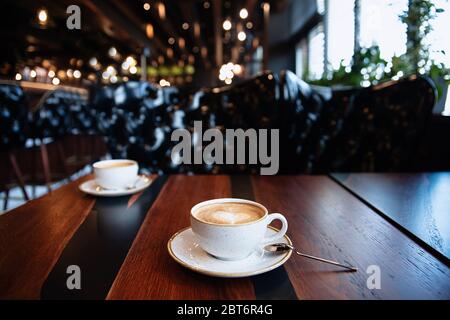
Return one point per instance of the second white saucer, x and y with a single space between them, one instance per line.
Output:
91 187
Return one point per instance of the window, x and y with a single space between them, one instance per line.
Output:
439 39
380 25
340 31
439 42
300 58
316 52
320 6
446 111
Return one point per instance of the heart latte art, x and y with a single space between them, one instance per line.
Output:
229 213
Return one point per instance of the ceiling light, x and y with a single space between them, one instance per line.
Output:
206 5
112 52
18 77
110 70
255 42
133 70
69 73
181 43
243 13
249 25
228 81
242 36
51 74
229 74
61 74
33 74
113 79
185 26
130 61
42 16
149 30
169 53
146 6
55 81
196 29
226 25
125 65
46 63
93 61
77 74
204 52
164 83
237 69
161 11
171 41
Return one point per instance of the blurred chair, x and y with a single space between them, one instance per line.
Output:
63 118
137 121
13 134
378 128
83 131
321 129
362 129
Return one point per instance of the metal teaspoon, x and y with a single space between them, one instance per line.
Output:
280 247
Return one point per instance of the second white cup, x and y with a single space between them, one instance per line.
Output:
117 174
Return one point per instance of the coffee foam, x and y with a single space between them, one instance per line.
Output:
229 213
118 164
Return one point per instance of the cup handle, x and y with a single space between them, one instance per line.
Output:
279 234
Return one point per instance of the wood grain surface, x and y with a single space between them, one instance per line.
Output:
326 220
33 236
419 203
150 273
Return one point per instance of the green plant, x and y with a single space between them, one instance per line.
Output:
367 67
417 19
417 60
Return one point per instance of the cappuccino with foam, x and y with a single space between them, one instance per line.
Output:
229 213
231 229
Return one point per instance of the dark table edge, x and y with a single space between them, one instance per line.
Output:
275 284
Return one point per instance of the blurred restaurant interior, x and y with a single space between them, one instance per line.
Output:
353 85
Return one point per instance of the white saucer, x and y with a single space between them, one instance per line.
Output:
91 187
184 249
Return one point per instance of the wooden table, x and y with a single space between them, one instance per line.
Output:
418 204
120 244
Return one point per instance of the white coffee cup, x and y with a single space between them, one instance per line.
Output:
235 241
117 174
